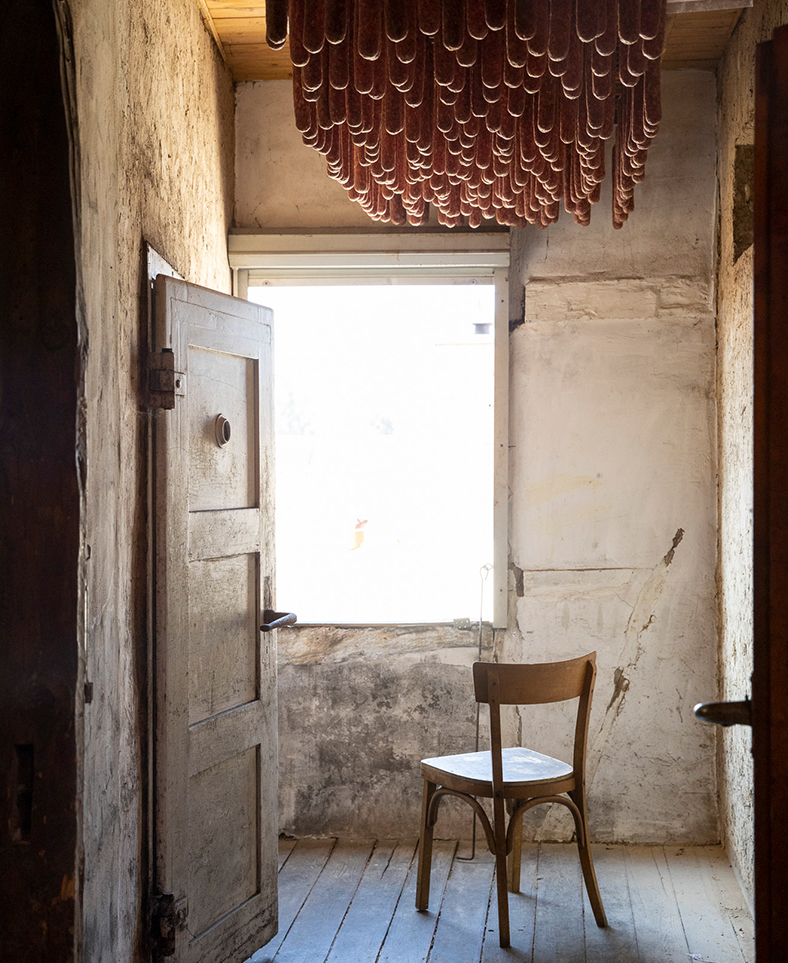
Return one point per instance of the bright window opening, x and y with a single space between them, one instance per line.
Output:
384 449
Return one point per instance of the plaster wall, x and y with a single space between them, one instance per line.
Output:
736 83
154 127
280 182
613 465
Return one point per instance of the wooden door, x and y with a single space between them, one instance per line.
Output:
215 808
770 677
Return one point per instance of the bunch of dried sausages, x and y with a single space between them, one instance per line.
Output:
482 108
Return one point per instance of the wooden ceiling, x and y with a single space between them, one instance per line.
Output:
696 36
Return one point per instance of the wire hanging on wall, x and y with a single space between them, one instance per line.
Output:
483 108
484 571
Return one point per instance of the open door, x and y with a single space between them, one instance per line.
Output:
215 794
768 712
770 676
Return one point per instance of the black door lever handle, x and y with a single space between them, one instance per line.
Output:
275 620
725 713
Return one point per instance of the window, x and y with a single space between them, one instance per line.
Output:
391 467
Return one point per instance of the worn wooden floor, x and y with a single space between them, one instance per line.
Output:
343 901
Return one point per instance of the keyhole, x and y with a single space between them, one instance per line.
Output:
223 430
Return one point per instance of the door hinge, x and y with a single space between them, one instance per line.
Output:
165 384
167 916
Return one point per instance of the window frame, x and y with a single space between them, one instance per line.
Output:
262 259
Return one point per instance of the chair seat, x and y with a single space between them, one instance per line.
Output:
520 767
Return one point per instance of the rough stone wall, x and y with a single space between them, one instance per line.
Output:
736 87
358 709
155 129
613 465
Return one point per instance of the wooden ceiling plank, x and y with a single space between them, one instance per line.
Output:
691 6
248 33
695 37
239 13
208 21
691 64
255 8
696 23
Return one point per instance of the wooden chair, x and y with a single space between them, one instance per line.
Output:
516 778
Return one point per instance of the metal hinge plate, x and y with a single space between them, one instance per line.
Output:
165 384
167 916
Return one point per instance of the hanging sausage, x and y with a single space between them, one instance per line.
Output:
482 108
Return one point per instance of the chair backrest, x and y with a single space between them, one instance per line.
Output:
500 684
525 684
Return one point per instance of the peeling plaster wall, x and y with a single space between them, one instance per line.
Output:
155 131
735 389
613 463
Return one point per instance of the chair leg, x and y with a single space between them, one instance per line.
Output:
586 859
425 848
499 832
516 855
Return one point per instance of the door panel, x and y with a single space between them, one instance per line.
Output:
215 751
222 477
221 796
223 594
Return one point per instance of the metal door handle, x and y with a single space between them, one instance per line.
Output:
275 620
725 713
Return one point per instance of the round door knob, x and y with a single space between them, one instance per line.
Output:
223 431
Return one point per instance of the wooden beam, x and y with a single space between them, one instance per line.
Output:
208 20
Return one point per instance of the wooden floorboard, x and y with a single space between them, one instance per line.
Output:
296 879
658 927
522 912
286 846
706 925
461 923
369 917
617 942
353 902
732 900
560 901
409 938
313 933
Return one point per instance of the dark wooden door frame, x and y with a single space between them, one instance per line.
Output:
770 676
41 515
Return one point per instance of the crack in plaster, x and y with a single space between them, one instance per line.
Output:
641 617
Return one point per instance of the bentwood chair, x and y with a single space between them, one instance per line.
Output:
515 778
